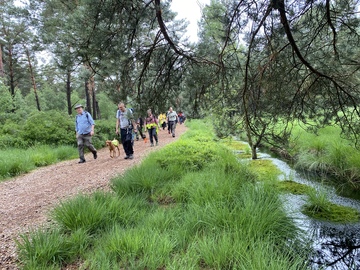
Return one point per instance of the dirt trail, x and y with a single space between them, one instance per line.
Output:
26 200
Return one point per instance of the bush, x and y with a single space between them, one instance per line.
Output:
104 130
51 128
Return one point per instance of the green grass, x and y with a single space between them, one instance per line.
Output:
49 249
319 207
15 161
329 154
190 205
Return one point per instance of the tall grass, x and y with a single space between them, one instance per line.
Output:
328 153
190 205
15 161
49 249
99 211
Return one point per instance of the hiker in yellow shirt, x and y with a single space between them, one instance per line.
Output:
162 120
152 126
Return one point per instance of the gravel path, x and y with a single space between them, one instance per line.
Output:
26 200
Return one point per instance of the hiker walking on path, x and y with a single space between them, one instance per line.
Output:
152 126
172 119
125 125
140 126
162 120
84 127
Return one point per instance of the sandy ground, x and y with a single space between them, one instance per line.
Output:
25 200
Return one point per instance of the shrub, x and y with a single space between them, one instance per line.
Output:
52 128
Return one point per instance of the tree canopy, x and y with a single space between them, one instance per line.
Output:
257 64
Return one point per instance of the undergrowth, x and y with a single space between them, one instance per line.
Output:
190 205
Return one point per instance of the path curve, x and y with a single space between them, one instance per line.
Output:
25 200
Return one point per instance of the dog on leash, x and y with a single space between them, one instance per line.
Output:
113 145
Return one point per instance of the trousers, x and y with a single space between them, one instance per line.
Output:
82 141
126 140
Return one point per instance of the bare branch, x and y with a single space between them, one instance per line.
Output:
331 26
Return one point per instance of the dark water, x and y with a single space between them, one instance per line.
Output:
336 246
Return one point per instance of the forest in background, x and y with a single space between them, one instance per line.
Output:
258 67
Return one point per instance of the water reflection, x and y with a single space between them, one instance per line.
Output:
336 246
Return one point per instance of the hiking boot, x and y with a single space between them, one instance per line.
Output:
173 135
95 155
131 157
82 161
151 145
127 157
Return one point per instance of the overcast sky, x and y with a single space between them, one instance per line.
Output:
190 10
186 9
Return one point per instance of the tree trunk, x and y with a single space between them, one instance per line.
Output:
93 97
11 73
253 152
68 92
245 94
87 96
32 76
2 72
97 110
249 138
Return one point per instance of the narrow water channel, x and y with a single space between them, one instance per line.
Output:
336 246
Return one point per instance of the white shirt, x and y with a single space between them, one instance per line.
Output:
124 118
172 116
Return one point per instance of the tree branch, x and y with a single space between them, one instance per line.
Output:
171 43
331 26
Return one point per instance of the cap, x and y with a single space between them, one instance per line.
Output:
79 106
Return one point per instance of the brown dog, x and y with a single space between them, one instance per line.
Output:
113 145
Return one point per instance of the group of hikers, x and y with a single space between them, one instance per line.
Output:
126 127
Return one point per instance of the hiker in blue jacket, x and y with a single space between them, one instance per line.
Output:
84 127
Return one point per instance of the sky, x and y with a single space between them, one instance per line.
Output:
189 10
186 9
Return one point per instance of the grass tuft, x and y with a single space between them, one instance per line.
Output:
319 207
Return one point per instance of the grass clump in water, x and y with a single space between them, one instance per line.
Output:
319 207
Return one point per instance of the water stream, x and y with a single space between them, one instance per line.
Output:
336 246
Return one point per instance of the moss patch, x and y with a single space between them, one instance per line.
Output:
243 155
332 212
264 169
236 145
293 187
